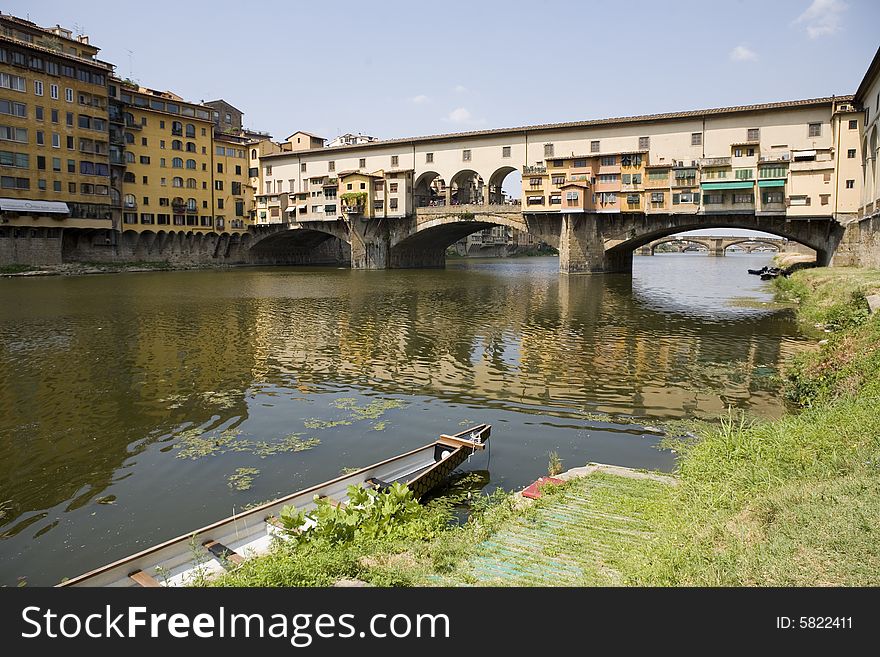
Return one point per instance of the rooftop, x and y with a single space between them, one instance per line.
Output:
645 118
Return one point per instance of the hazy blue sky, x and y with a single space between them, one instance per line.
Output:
394 69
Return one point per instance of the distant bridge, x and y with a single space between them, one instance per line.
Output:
715 245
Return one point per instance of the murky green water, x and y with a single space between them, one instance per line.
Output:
136 407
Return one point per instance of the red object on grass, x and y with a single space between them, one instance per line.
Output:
534 491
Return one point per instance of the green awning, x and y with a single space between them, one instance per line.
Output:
772 183
740 184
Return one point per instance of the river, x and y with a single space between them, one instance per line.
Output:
136 407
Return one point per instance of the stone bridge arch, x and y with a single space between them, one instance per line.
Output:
423 242
605 242
678 240
307 243
778 246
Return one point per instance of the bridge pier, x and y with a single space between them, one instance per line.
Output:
582 247
370 244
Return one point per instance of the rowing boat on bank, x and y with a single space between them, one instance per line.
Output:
227 543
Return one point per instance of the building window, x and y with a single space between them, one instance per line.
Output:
608 160
302 167
269 170
772 197
753 134
505 151
743 174
392 204
38 88
815 130
644 143
395 160
331 165
53 91
851 153
743 199
548 151
558 180
219 167
853 124
466 154
429 158
362 163
850 184
594 146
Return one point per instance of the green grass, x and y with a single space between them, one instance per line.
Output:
16 269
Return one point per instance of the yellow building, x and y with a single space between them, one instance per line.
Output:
233 194
54 166
162 153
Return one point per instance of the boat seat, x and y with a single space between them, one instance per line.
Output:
142 579
223 553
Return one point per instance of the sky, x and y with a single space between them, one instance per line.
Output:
397 69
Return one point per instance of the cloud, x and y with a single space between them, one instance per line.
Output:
822 17
460 89
743 54
421 99
462 116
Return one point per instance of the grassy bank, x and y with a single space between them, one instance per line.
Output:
794 501
791 502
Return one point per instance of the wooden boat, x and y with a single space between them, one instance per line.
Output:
226 543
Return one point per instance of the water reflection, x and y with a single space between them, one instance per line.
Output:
102 376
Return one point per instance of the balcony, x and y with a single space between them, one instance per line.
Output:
715 162
534 169
775 157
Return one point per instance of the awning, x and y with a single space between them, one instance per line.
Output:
771 183
25 205
740 184
291 208
797 154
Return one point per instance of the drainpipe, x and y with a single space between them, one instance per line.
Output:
836 161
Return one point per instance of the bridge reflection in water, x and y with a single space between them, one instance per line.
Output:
100 378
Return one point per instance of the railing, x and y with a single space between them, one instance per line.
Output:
715 161
775 157
534 169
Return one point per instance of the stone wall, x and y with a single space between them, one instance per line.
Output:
860 245
30 246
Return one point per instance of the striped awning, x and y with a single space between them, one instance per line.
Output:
27 205
739 184
771 183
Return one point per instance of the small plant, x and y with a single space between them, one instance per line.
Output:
554 465
369 514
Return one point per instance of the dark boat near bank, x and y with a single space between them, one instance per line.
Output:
209 551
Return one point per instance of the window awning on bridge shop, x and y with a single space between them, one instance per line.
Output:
26 205
771 183
739 184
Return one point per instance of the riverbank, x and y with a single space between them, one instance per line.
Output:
792 502
87 268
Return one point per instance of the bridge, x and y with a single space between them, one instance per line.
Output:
716 245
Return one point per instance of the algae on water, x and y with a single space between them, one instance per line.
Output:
242 478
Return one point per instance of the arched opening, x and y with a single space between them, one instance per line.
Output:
467 187
299 247
505 186
678 244
429 190
873 185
